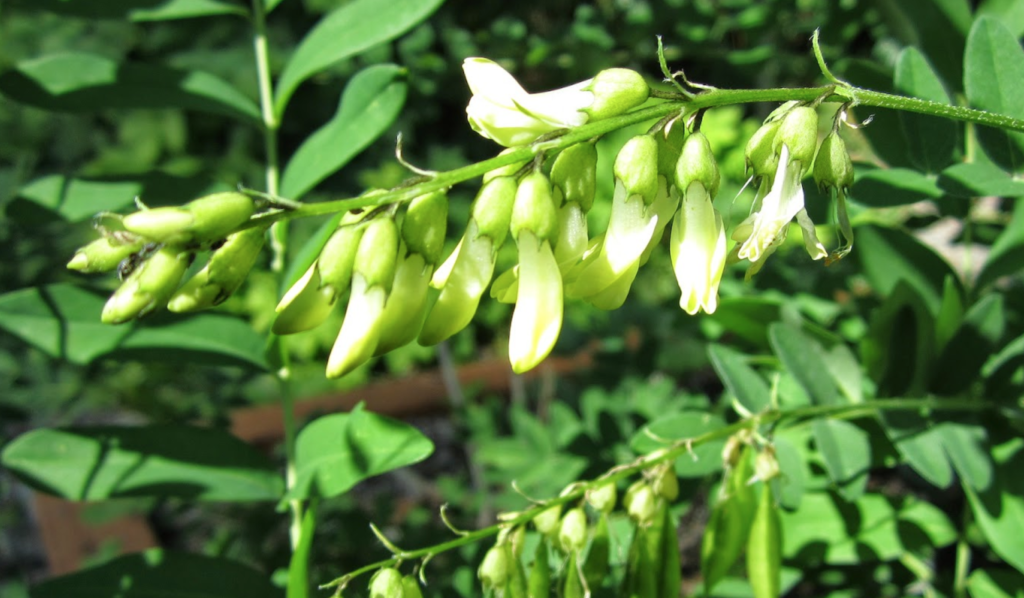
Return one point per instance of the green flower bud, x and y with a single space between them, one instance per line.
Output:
386 583
424 226
640 502
492 208
616 91
406 304
223 274
636 166
761 157
496 567
377 253
666 484
572 534
534 209
411 587
574 175
833 168
547 521
799 131
603 497
338 256
306 304
203 220
103 254
697 165
148 287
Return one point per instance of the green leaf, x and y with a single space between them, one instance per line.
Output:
937 27
167 574
885 131
63 321
966 445
138 10
890 256
75 199
932 141
746 385
978 179
846 450
159 460
210 338
951 313
995 583
893 187
803 357
705 459
994 81
748 317
270 5
919 445
349 30
1007 254
977 338
336 452
875 528
792 470
1008 12
999 509
83 82
898 351
370 103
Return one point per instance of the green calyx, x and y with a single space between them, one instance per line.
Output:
697 165
425 224
833 168
636 166
799 132
378 252
387 583
760 153
492 209
616 91
574 175
534 208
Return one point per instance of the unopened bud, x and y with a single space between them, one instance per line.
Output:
338 256
496 567
574 175
833 168
547 520
148 287
534 209
103 255
377 253
411 587
572 534
766 466
386 583
203 220
761 157
697 165
640 502
603 497
799 132
665 483
616 91
492 208
223 274
636 166
425 224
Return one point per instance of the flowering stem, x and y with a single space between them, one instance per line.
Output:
279 240
708 99
670 453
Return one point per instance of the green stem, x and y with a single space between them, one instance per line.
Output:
279 242
668 454
963 557
708 99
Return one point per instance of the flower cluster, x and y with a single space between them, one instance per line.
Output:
385 265
153 248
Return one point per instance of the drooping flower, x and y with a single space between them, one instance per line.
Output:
537 317
503 111
698 237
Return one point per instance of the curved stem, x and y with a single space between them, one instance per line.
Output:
671 453
708 99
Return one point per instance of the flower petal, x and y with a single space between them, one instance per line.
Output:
470 275
537 318
698 251
360 330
